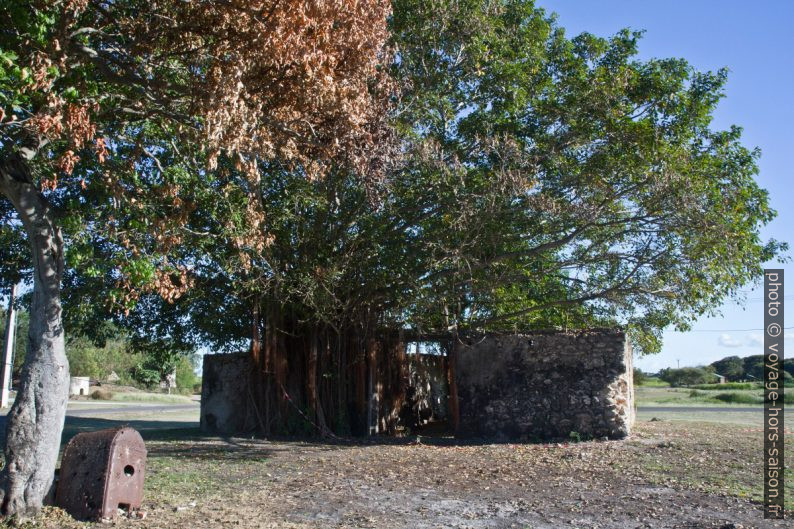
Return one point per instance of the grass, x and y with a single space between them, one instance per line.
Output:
661 396
739 416
726 386
727 467
191 480
735 397
739 398
653 382
150 397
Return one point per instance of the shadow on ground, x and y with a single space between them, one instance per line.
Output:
150 430
165 431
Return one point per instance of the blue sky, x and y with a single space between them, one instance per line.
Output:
755 41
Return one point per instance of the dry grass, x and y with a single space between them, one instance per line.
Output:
668 474
101 394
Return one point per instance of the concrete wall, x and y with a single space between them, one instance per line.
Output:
224 393
546 385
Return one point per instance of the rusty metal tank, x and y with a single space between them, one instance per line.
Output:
101 472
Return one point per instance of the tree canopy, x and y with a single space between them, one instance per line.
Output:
113 119
545 181
296 177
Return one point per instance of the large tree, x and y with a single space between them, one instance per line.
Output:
113 115
568 173
547 181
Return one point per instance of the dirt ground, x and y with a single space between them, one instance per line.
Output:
669 474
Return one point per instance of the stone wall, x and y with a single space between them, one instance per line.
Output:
546 385
224 394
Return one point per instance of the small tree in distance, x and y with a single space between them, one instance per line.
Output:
686 376
731 367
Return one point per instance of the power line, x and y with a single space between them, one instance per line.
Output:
732 330
789 297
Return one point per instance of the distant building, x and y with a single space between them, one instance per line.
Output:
79 386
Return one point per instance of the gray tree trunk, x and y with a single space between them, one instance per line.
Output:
35 422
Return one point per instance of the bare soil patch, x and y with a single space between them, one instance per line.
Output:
667 475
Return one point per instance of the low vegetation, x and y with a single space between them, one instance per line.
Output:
651 382
668 396
663 469
110 351
727 385
739 373
101 394
129 396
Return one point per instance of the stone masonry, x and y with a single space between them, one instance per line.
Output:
546 385
224 394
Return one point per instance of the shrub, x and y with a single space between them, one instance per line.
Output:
739 398
731 367
686 376
728 385
185 374
101 394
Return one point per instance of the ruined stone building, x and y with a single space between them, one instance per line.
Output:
533 386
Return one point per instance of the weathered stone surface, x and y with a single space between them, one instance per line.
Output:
545 385
224 395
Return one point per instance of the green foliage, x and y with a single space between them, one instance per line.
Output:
535 226
739 398
547 181
88 360
727 385
686 376
145 376
655 382
639 377
754 367
186 377
731 367
788 366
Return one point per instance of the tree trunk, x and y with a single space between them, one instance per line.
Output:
312 394
373 402
453 406
311 375
35 422
398 362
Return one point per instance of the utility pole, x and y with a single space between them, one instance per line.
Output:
678 361
8 350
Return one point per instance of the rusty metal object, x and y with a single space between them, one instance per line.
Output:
101 472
